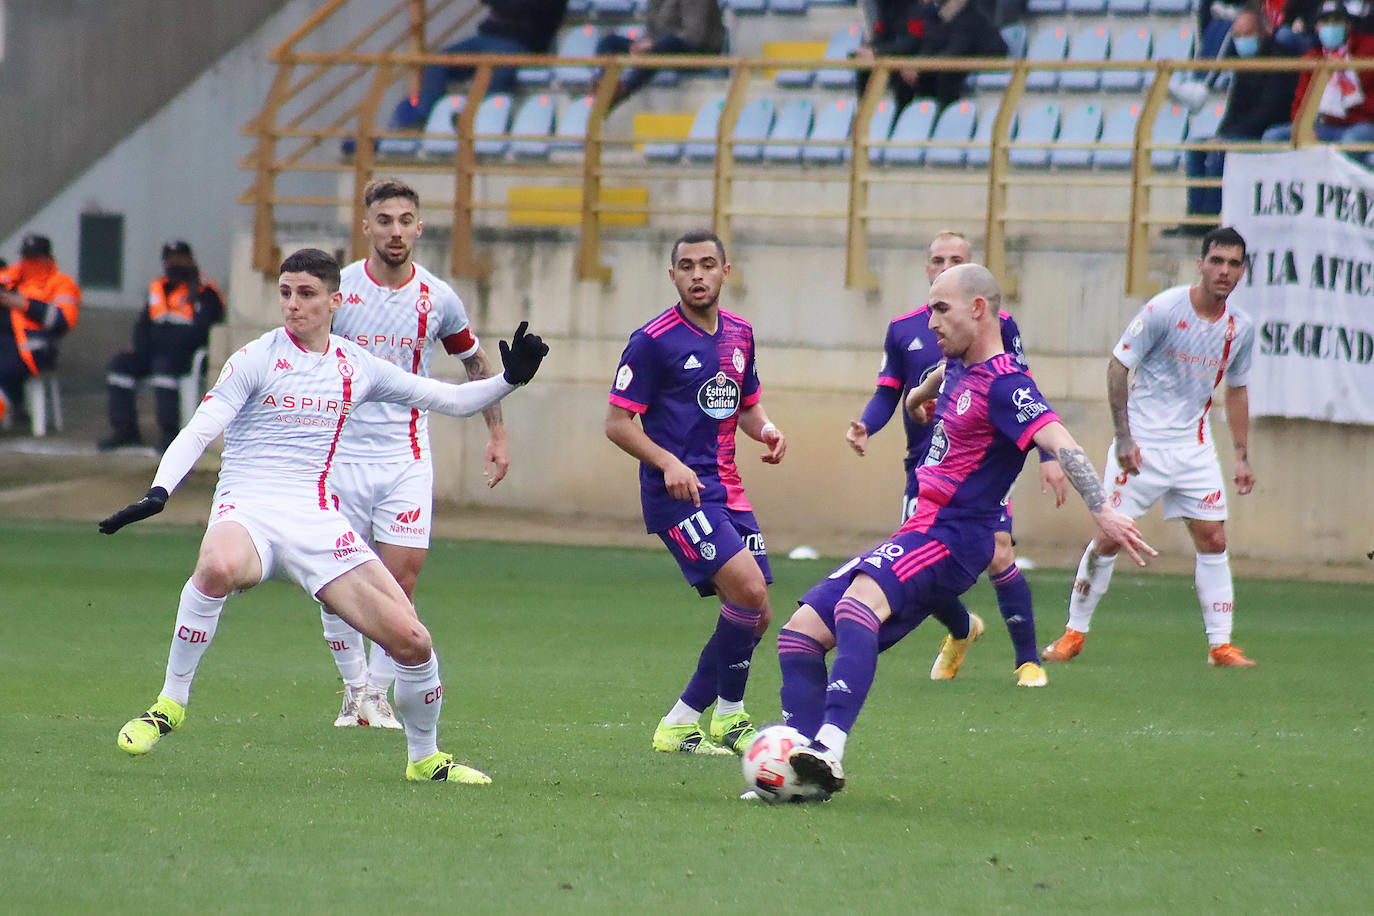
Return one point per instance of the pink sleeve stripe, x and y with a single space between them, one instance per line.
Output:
631 406
911 314
752 399
887 381
733 317
1025 441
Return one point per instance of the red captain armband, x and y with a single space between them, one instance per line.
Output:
462 342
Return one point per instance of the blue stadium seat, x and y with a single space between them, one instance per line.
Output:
1085 7
787 7
1175 43
1134 43
1091 44
441 129
1171 7
1171 126
701 139
880 128
1038 124
844 42
532 128
572 124
748 7
955 125
793 123
755 122
1049 44
493 117
1082 126
1016 38
578 7
577 42
1045 6
611 7
834 121
1118 128
1204 124
913 125
980 154
1127 7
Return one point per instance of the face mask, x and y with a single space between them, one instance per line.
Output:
1246 45
182 275
1331 36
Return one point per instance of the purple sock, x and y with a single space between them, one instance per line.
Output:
856 660
701 689
802 660
1014 601
735 641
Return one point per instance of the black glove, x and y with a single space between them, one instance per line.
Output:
152 504
522 355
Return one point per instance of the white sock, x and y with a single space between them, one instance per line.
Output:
346 644
682 714
1089 585
197 619
381 669
1216 595
832 738
419 697
728 707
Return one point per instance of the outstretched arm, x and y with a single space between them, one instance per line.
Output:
1084 478
680 480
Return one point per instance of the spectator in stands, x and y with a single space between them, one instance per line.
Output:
1257 101
947 28
1292 22
511 27
43 304
674 27
175 323
1346 110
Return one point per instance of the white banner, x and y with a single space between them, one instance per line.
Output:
1308 221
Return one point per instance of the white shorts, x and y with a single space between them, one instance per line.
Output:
393 502
294 537
1185 478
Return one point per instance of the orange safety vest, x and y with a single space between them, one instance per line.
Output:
40 280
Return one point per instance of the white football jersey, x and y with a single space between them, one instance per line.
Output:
402 326
282 411
1179 359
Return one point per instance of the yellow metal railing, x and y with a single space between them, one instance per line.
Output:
321 99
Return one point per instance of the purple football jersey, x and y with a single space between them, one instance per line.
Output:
688 388
985 420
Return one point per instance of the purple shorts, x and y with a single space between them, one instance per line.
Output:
706 538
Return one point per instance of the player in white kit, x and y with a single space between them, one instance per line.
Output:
281 403
398 311
1182 344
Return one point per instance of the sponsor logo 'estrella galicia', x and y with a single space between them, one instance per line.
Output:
719 398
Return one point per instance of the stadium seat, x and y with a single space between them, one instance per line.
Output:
748 7
1171 126
844 42
913 125
493 118
1204 124
703 131
755 123
955 125
834 122
441 129
577 42
1045 6
1171 7
611 8
1118 128
1038 124
1135 44
1015 37
1082 127
1049 44
572 124
578 7
879 129
794 79
981 152
793 124
43 400
1091 44
1174 44
787 7
662 124
1127 7
532 128
1085 7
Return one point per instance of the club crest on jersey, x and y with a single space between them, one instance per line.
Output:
624 377
962 406
224 373
423 305
1136 328
737 360
708 550
719 398
345 369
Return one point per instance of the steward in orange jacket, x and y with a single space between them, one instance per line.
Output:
175 323
43 304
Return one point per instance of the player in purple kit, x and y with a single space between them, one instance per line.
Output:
989 415
910 354
689 375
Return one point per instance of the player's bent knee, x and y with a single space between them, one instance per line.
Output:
411 645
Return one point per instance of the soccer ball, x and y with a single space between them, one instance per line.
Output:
767 770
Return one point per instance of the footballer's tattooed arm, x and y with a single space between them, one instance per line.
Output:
478 366
1118 394
1083 476
496 457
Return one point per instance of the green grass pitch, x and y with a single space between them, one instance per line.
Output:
1140 780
